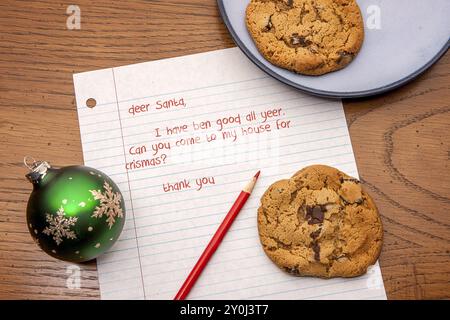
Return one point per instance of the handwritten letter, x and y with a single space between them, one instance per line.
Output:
180 137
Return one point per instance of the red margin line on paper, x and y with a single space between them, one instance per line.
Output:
128 181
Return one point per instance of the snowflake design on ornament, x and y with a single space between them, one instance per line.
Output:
59 226
109 204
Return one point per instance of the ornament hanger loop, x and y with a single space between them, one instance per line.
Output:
26 161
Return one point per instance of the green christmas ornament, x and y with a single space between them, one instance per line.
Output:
74 213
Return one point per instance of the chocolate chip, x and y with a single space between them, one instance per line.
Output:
315 234
293 271
268 26
344 58
298 41
344 201
283 5
315 214
350 179
316 249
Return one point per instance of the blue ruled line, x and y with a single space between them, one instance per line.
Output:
176 92
236 144
205 113
144 115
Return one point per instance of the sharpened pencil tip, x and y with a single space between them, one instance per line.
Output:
257 174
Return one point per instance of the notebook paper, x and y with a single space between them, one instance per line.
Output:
181 137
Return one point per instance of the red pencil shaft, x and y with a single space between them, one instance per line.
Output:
212 245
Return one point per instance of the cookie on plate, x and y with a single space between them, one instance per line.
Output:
321 223
311 37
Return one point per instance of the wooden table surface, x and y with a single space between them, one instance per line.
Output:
401 139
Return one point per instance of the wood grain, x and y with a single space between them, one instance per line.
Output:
401 139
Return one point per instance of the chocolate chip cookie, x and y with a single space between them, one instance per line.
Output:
321 223
311 37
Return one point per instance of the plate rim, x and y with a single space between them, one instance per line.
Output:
325 93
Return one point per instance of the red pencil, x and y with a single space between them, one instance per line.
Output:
216 239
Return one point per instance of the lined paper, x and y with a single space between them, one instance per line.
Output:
152 132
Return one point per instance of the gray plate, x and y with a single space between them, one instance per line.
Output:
403 38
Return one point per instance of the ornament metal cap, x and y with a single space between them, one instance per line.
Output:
38 169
